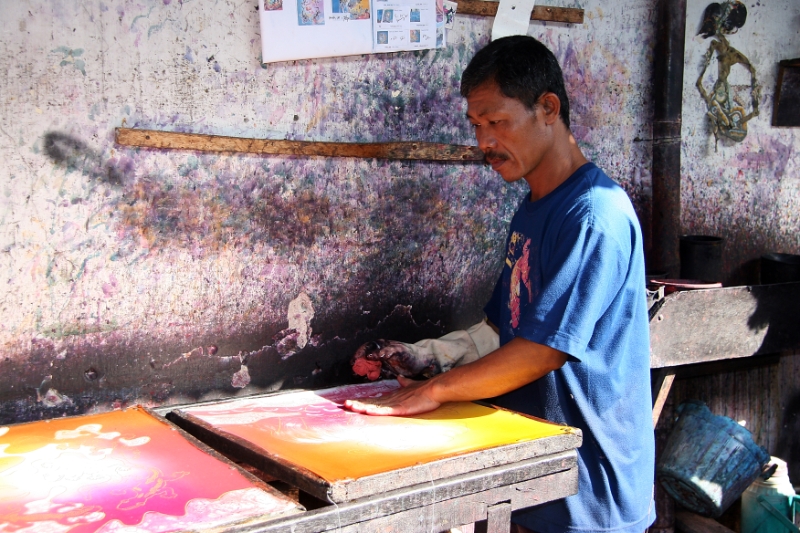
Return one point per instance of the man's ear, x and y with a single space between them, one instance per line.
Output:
551 105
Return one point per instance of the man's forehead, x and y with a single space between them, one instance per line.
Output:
487 98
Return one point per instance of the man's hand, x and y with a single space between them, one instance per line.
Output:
413 398
511 366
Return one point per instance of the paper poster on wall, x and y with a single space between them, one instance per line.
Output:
304 29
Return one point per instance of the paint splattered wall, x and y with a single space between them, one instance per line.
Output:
132 275
748 191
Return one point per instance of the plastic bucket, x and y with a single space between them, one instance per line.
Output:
708 460
780 268
701 257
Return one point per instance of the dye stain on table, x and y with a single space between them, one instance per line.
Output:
122 471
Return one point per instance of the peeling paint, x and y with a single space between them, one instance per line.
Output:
52 398
241 378
299 315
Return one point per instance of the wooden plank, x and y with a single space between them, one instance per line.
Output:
714 368
217 143
662 383
437 506
488 8
715 324
689 522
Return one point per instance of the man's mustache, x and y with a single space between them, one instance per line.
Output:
487 156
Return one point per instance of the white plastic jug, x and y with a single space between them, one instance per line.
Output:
767 505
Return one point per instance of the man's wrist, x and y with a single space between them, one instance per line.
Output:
437 390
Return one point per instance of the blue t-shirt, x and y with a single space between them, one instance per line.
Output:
574 280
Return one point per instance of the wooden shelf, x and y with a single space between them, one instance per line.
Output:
488 8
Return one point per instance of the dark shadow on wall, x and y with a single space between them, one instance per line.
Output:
777 310
70 152
788 447
98 372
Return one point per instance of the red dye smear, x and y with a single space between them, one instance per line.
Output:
365 367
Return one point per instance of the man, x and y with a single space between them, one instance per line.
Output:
570 304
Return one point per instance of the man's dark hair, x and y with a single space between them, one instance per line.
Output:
522 67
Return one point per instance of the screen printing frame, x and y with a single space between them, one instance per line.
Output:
254 480
347 490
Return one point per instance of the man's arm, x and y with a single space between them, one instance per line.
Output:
508 368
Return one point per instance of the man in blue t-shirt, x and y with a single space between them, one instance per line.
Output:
570 305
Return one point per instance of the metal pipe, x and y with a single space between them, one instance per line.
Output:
668 101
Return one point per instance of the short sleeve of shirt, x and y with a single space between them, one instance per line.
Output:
585 261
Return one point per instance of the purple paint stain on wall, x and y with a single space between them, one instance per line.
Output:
772 157
188 56
111 288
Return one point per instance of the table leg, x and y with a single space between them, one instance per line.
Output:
498 519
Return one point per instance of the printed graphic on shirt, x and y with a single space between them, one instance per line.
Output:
518 260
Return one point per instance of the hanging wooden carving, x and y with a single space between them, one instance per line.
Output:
727 111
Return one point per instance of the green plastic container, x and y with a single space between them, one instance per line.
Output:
768 504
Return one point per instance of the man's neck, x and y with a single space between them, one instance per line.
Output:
560 163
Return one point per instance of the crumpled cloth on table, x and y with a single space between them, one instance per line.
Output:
388 359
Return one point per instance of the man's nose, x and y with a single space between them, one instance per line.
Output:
485 138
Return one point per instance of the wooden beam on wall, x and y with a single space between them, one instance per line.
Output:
488 8
216 143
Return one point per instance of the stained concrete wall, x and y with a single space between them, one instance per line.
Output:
158 277
748 191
